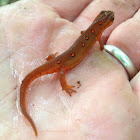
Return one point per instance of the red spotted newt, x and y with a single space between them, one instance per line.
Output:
67 60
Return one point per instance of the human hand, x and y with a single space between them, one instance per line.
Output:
106 105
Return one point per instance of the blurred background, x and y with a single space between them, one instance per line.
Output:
4 2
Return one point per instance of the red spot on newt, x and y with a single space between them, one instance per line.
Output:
87 37
83 44
58 62
105 19
72 54
92 31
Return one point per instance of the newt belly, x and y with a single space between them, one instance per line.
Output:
68 60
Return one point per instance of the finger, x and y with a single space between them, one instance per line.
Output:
127 38
123 10
135 83
67 9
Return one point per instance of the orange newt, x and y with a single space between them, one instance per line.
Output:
68 60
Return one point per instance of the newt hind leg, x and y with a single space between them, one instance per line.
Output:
64 84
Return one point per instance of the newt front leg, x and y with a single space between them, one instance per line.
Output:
51 56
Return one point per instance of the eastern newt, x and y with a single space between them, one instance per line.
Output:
67 60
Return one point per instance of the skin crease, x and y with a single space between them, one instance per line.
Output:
105 107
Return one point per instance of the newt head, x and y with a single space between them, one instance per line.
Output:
104 19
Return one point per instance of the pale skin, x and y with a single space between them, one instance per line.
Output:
106 105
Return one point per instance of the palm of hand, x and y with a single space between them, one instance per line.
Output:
105 107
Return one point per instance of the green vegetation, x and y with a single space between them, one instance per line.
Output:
4 2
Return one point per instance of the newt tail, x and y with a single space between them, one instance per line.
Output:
24 86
